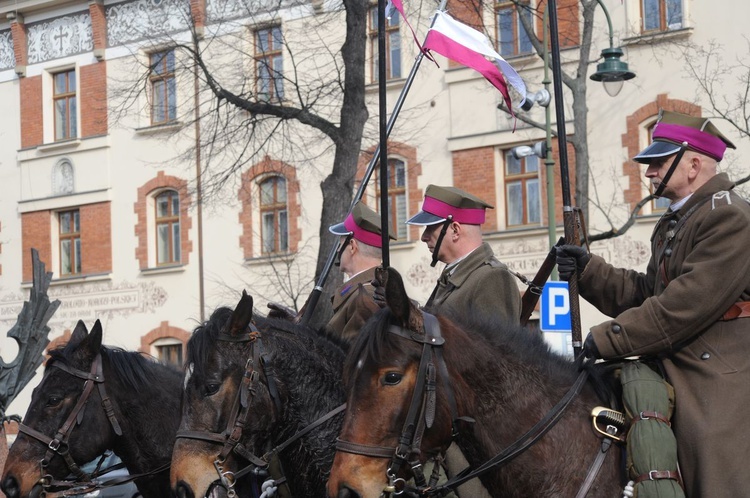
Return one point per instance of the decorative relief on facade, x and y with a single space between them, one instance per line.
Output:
422 275
7 55
68 35
623 252
89 301
131 21
63 177
217 10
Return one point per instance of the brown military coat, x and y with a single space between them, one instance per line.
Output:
348 318
674 311
480 283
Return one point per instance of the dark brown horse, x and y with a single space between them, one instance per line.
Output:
503 377
263 382
92 399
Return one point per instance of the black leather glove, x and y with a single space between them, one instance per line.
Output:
571 259
379 292
589 347
281 311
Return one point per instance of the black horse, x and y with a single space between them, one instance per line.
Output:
92 399
252 385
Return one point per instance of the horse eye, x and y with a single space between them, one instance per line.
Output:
212 389
392 378
54 400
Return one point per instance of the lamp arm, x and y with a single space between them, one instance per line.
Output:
609 22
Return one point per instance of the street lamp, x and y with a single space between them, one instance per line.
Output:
612 72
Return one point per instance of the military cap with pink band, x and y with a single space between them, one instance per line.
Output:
363 224
674 129
443 202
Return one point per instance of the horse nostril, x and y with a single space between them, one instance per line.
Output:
183 491
347 492
10 487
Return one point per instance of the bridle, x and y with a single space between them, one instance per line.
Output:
59 444
231 438
421 415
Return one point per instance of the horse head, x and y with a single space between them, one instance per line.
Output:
65 425
393 398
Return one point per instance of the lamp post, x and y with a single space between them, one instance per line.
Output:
612 72
543 150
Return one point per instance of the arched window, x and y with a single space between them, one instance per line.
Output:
167 209
273 215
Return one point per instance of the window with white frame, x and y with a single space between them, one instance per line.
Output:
169 351
661 15
269 64
512 38
392 45
397 199
274 232
522 190
69 236
167 223
660 204
163 87
65 104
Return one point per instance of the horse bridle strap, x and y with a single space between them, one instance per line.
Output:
58 445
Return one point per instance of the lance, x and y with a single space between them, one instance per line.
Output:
569 217
314 297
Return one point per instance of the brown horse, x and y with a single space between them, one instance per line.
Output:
504 378
91 399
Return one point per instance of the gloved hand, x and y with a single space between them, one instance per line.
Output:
280 311
571 259
589 347
379 292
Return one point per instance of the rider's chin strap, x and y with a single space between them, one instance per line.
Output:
343 247
436 250
672 168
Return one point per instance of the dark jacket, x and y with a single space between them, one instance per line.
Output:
479 283
675 311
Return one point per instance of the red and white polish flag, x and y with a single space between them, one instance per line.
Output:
472 48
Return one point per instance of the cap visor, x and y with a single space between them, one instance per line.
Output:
339 229
655 151
423 218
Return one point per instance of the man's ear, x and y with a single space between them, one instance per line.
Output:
354 245
696 165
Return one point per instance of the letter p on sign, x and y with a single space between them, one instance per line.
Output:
555 307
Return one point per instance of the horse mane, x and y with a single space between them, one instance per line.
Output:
205 336
527 345
132 368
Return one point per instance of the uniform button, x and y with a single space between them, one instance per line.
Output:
672 223
668 252
705 356
616 329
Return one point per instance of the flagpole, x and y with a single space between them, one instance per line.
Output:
314 297
569 219
383 152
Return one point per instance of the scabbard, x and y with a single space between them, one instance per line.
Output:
531 296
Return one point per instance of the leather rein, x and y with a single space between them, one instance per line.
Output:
59 444
230 438
421 415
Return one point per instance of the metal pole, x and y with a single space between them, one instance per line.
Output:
382 56
312 301
568 214
549 163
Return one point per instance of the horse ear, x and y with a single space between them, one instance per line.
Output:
79 333
241 315
395 295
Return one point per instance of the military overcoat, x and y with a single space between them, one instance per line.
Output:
699 268
479 283
348 318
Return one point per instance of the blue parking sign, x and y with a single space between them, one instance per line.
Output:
555 308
